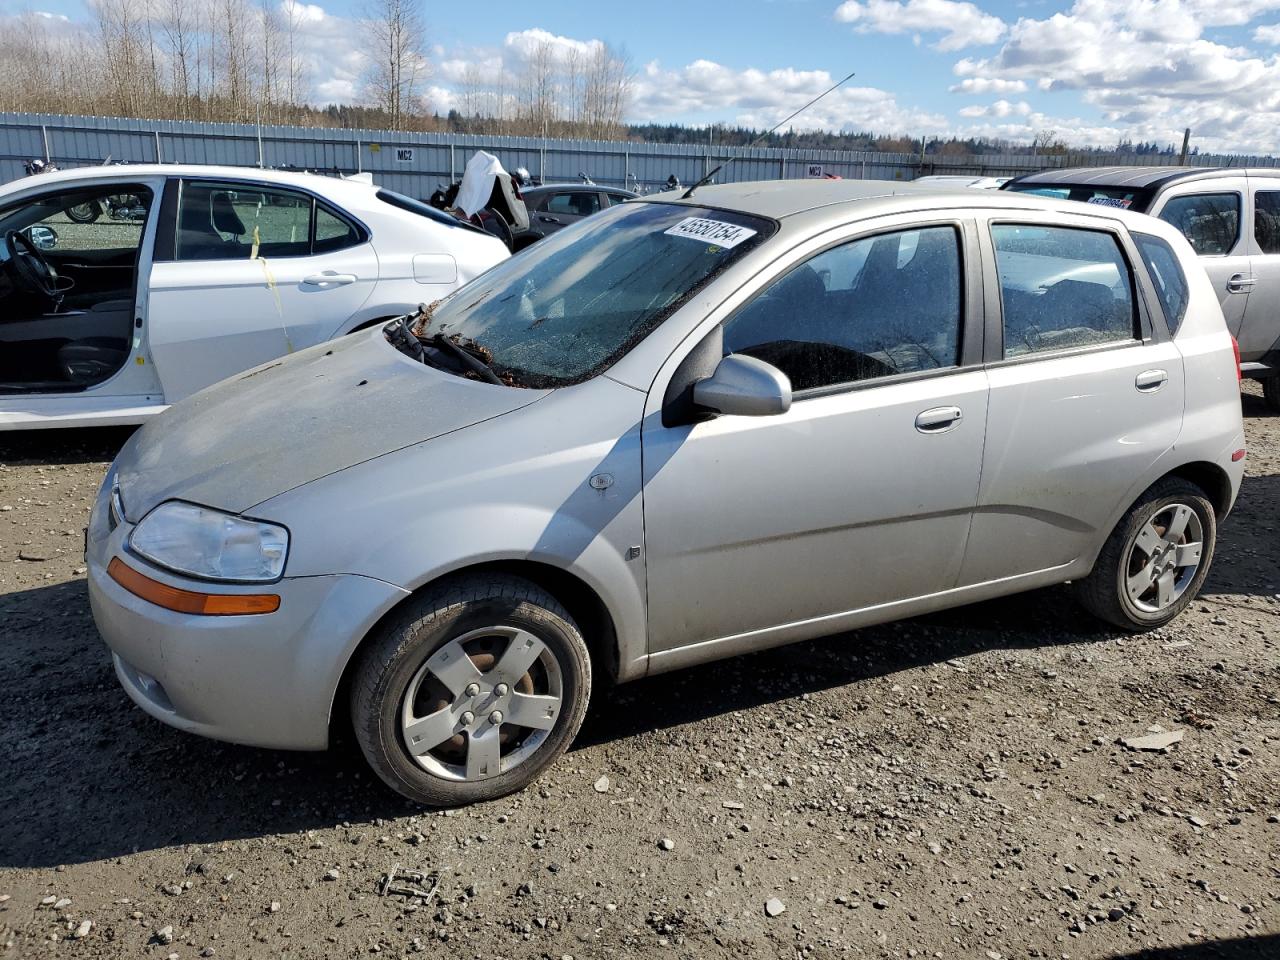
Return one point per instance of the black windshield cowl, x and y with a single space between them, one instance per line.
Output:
453 354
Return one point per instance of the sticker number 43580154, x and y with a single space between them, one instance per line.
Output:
724 235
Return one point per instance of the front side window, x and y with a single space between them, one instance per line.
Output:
1209 221
1166 274
103 220
1266 220
237 221
875 307
573 304
1062 288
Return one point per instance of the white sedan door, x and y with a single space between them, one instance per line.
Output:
254 273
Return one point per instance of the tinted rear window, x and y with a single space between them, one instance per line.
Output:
1126 198
1166 273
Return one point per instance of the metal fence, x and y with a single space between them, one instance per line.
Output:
416 163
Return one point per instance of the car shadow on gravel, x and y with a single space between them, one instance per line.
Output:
1247 948
76 445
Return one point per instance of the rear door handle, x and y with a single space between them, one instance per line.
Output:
329 279
938 419
1239 283
1149 381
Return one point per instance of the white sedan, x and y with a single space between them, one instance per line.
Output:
124 289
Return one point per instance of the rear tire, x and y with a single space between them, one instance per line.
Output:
1271 393
438 697
1155 561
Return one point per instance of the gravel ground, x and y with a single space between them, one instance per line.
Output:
951 786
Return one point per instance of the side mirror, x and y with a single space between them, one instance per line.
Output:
42 237
743 386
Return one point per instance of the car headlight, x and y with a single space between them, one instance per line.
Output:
210 544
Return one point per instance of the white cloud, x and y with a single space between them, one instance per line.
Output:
1148 69
1268 34
981 85
961 24
760 98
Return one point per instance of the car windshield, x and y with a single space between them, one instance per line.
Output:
570 306
1127 198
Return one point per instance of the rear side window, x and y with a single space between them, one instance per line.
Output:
1210 221
579 203
1266 220
1166 274
239 221
1062 288
333 232
871 308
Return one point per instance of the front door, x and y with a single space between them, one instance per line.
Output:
1214 218
761 530
255 273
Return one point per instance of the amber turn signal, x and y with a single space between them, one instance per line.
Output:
188 601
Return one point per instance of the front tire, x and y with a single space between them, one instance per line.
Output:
1156 560
1271 393
474 689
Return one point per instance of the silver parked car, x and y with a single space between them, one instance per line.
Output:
1231 217
677 431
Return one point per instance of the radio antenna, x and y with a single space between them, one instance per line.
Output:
707 179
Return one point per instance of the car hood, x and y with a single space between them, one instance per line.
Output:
283 424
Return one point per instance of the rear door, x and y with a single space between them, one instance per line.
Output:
1086 392
561 209
250 272
1216 219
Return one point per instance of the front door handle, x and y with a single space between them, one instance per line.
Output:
1149 381
1239 283
329 279
548 219
938 419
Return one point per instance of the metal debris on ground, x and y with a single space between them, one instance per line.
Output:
412 884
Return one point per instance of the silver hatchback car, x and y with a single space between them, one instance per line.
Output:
677 431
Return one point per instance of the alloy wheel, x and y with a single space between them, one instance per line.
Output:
1164 557
482 704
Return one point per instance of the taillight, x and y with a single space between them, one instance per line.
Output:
1235 348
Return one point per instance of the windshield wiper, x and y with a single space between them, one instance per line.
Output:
468 359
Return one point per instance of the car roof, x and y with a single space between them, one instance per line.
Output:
779 199
336 187
566 187
815 205
1140 178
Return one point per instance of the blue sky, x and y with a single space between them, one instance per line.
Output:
1093 71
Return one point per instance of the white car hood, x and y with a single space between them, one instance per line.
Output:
283 424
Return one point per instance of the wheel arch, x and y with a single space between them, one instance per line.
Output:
583 603
1210 478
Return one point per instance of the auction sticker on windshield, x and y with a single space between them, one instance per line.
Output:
725 235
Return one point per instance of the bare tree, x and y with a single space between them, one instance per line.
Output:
295 76
397 61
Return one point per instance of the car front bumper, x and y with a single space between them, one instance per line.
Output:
266 680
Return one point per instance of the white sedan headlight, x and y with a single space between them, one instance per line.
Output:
210 544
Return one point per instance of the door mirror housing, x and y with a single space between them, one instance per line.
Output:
743 386
42 237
